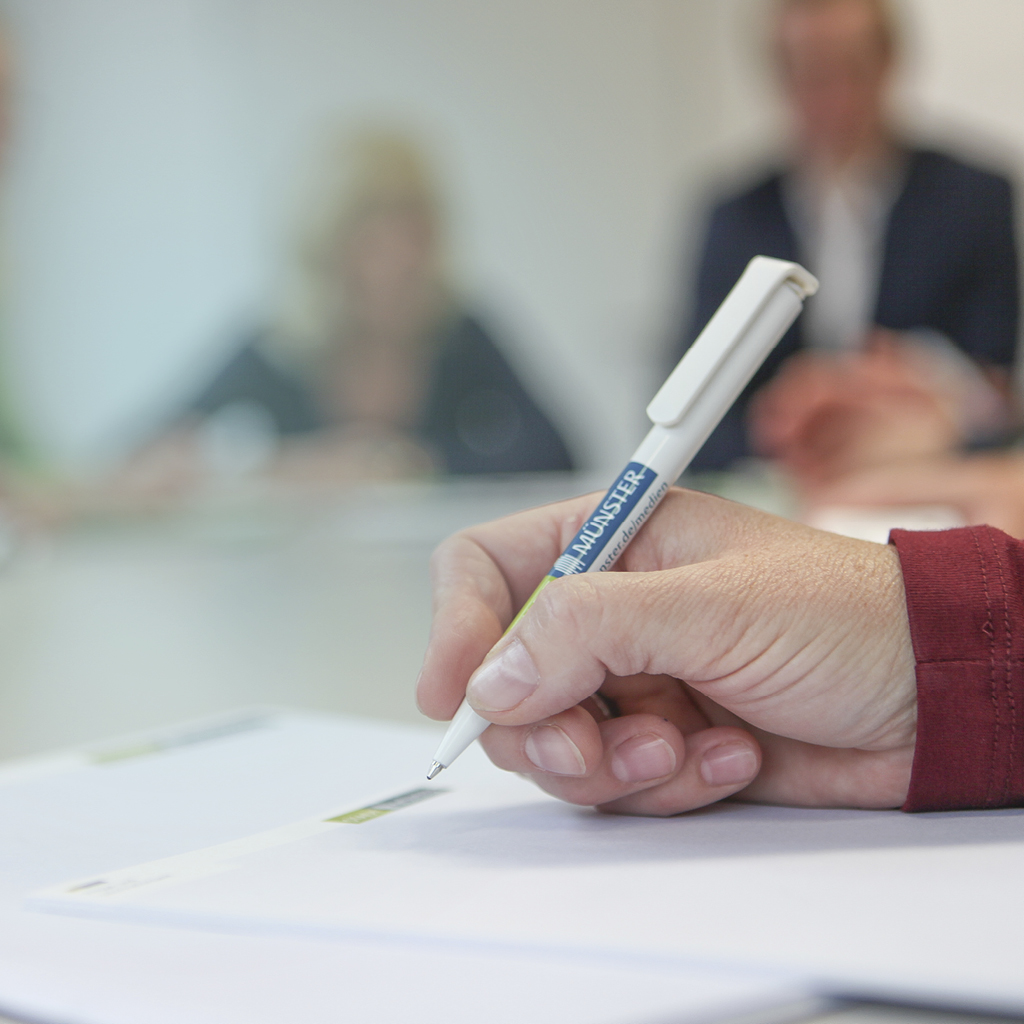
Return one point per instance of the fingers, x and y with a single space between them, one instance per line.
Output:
661 759
719 762
464 629
583 628
483 575
640 764
806 775
645 764
801 774
472 606
690 527
568 745
521 547
687 527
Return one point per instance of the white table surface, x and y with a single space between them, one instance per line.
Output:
241 597
108 627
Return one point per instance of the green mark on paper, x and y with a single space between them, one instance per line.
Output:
395 803
181 739
358 817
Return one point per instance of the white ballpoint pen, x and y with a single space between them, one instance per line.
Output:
757 312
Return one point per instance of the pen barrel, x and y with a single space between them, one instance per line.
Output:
667 451
612 525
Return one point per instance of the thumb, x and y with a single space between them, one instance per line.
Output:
583 628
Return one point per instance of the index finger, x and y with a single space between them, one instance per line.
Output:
481 577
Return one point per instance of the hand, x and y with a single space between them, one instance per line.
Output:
824 416
983 488
748 655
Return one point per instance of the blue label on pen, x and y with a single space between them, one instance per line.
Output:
606 521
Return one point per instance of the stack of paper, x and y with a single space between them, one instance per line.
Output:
924 907
163 794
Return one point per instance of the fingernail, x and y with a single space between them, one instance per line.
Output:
552 751
504 681
728 764
642 758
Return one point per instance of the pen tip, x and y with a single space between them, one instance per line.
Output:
435 769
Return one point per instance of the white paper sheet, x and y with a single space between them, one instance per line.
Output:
928 904
165 792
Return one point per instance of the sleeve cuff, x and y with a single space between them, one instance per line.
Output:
966 611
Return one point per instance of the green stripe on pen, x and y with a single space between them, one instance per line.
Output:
529 601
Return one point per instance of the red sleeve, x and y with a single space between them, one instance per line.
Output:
965 599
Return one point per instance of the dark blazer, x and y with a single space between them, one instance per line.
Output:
949 264
477 416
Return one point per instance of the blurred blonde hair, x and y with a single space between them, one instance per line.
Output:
361 174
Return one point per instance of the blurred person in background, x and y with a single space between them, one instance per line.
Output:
376 370
905 350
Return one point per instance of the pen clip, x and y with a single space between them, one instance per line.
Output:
705 357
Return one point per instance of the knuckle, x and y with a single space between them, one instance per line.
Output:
600 614
570 604
444 553
501 744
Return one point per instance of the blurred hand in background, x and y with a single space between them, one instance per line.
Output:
827 415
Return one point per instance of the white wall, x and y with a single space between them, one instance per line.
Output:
157 151
131 228
157 147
